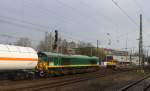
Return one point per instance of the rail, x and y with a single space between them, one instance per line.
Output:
131 85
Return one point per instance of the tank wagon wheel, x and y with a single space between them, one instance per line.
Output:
15 76
21 76
11 77
30 76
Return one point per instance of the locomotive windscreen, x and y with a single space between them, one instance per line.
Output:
109 57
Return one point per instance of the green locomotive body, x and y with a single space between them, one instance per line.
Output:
59 64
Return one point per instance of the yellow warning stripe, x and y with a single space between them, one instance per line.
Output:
70 66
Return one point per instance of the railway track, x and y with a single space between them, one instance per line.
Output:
48 83
62 83
139 85
56 83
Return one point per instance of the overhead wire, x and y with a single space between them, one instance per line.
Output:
15 37
125 13
64 4
25 22
130 18
78 12
2 20
140 8
47 11
34 24
146 18
18 24
73 8
50 11
108 19
53 12
28 23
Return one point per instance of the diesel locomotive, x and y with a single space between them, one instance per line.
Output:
59 64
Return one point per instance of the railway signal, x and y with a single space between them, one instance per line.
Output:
56 35
56 39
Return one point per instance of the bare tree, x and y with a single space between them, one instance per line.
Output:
23 42
84 44
42 46
72 44
46 44
64 46
64 43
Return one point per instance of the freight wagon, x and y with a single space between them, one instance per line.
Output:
17 62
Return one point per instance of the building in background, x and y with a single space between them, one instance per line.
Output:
120 56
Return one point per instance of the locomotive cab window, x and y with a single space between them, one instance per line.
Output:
42 57
50 61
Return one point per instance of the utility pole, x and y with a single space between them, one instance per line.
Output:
126 53
98 55
46 41
141 61
147 55
131 56
55 47
97 49
91 51
51 42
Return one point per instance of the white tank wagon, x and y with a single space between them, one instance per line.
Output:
17 57
16 60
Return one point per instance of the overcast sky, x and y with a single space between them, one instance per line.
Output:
77 20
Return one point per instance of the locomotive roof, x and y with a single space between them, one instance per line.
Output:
50 54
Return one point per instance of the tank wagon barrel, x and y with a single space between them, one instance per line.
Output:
17 60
